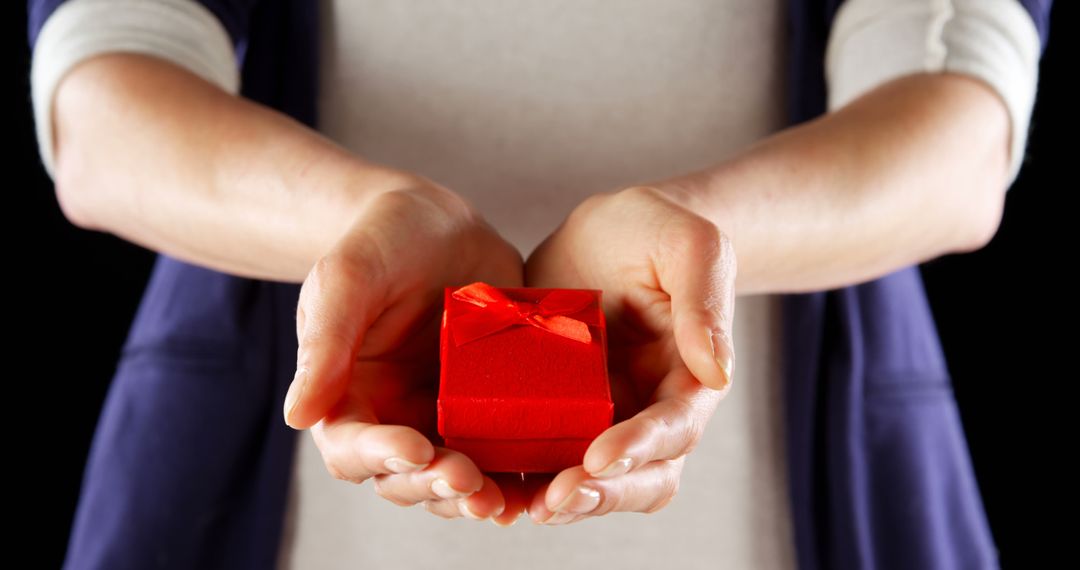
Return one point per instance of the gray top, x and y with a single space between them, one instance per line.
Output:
526 108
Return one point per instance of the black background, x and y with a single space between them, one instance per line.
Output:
72 295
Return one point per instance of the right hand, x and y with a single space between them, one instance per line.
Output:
368 325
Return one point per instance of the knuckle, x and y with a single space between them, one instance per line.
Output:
686 236
318 435
301 315
341 474
395 205
703 239
687 429
589 206
435 507
656 426
323 269
656 506
703 236
333 470
432 201
660 503
642 193
363 265
352 269
669 488
695 430
617 500
386 493
692 441
71 193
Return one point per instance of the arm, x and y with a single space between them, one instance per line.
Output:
145 138
912 162
140 127
930 108
863 191
155 154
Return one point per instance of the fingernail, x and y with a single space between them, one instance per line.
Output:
615 468
722 352
465 510
507 525
296 389
399 465
443 489
581 500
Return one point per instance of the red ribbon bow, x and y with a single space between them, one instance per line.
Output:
500 312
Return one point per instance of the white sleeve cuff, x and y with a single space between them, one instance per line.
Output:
182 31
874 41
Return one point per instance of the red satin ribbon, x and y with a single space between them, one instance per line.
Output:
500 312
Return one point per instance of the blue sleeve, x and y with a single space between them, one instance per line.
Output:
235 16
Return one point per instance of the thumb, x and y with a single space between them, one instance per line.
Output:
700 280
339 300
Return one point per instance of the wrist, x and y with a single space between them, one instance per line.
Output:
361 184
704 194
444 210
771 200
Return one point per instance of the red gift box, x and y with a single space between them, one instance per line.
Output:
523 381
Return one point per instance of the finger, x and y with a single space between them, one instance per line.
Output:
667 429
338 301
516 496
487 502
451 475
573 493
355 447
696 266
519 496
444 508
535 485
301 319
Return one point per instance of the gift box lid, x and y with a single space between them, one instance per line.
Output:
520 381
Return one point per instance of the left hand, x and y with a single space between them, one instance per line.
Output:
668 282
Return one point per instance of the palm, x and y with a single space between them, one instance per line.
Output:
384 289
395 375
667 279
397 367
641 350
641 344
402 383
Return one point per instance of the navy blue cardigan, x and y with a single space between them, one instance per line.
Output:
880 473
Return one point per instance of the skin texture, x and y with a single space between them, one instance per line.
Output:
846 198
152 153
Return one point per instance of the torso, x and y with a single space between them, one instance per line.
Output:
526 108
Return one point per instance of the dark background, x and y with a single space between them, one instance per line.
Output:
74 294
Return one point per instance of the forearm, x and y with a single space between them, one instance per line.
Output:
156 155
913 170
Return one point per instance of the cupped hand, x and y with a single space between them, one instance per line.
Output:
367 365
668 281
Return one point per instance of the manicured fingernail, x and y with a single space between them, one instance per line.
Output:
615 468
443 489
723 354
581 500
399 465
296 389
465 510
